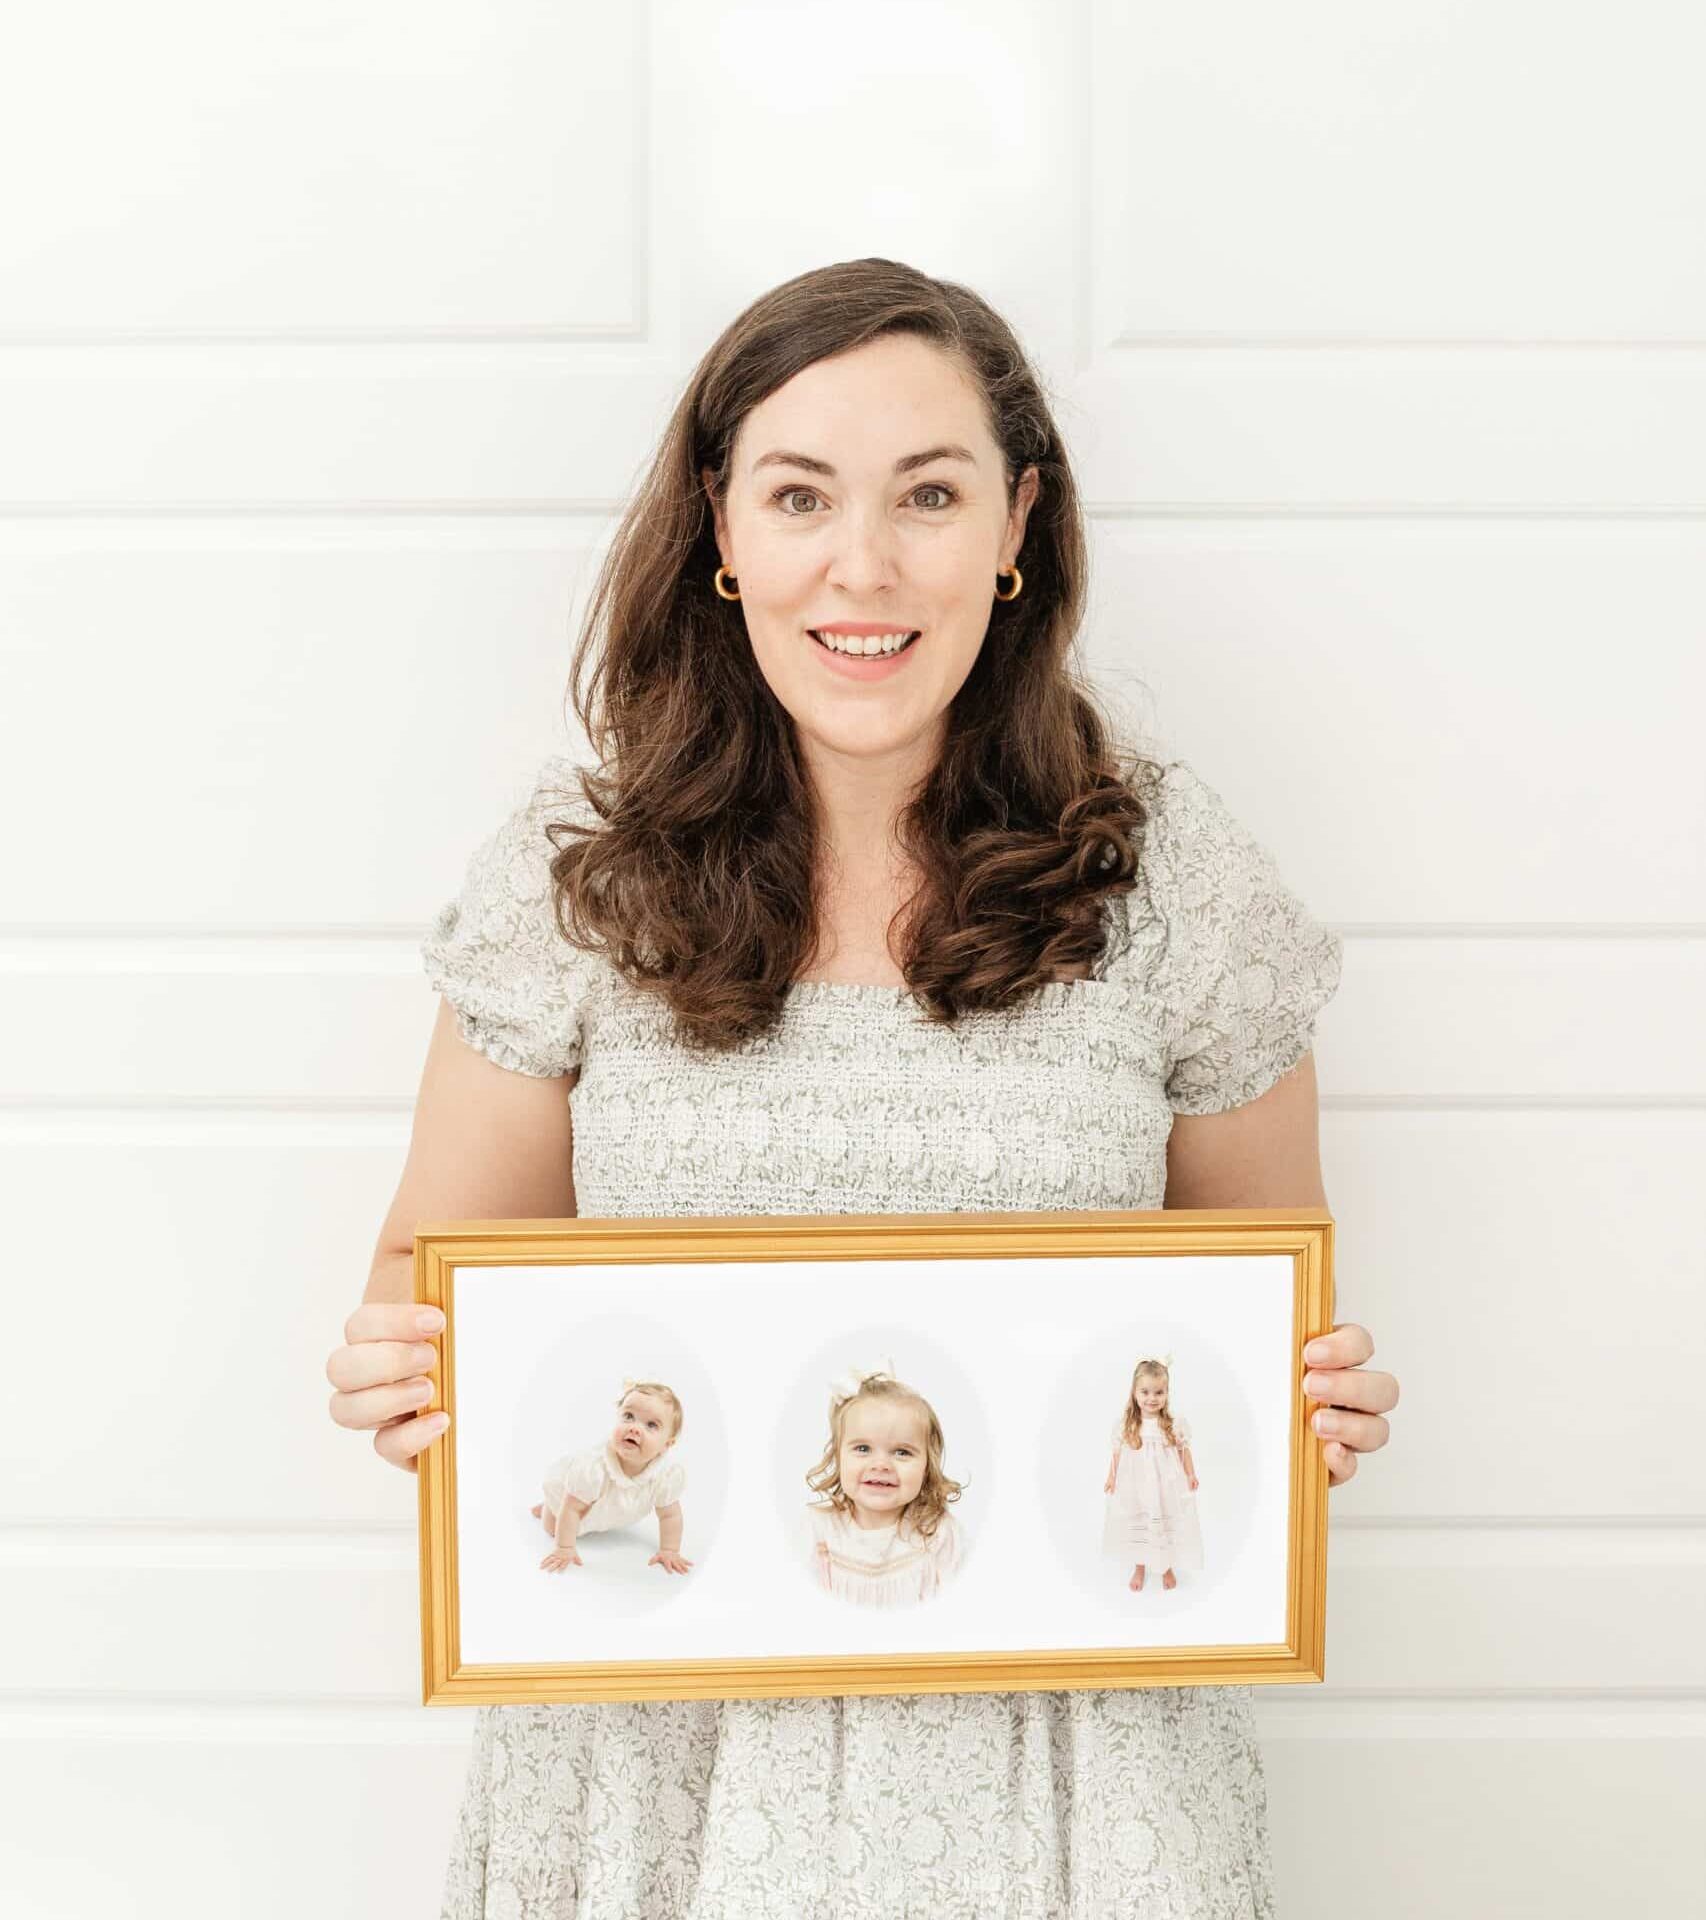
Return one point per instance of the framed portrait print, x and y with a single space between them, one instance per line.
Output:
872 1453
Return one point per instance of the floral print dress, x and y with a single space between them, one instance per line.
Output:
1088 1804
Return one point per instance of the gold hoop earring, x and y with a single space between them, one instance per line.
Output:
717 582
1018 582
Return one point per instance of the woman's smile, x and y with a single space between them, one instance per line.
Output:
856 656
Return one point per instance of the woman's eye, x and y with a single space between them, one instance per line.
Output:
934 486
794 493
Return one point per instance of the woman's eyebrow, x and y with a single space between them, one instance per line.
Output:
779 457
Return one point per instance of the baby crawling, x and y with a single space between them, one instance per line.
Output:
620 1480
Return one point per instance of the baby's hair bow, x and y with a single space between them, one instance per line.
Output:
631 1381
848 1382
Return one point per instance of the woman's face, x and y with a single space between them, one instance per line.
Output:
882 1457
832 521
1151 1393
643 1429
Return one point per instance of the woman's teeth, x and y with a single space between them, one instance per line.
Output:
863 643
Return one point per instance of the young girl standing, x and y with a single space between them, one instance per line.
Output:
1152 1482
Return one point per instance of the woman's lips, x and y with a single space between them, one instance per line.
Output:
863 666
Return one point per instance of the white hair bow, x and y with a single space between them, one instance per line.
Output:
631 1381
1166 1360
850 1379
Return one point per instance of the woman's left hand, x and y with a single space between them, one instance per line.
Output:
1354 1401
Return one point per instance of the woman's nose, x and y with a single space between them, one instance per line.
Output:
862 560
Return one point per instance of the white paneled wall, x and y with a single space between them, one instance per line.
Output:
330 342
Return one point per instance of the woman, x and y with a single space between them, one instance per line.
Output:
891 932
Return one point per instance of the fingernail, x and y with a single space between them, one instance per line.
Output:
437 1422
429 1320
1314 1351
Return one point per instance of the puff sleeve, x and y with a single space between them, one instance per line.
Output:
582 1474
495 952
672 1480
1246 967
1181 1430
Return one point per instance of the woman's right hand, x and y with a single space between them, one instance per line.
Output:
382 1376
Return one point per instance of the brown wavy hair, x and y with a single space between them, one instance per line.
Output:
923 1512
1133 1429
699 884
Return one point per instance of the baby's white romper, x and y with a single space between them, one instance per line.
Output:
1151 1515
617 1498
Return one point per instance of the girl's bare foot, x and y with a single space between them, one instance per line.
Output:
1137 1580
1169 1578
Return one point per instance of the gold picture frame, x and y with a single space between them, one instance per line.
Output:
491 1275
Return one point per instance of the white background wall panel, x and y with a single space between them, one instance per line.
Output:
1425 174
397 170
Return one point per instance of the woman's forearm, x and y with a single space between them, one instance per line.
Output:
392 1277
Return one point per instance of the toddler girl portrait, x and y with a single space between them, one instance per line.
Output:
883 1536
1151 1515
633 1471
